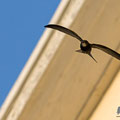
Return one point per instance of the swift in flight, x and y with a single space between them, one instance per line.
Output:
85 46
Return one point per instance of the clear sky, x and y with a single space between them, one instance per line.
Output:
21 25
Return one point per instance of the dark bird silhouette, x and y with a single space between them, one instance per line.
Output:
85 46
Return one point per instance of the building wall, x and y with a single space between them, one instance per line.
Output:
63 84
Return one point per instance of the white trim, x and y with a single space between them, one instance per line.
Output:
22 77
67 21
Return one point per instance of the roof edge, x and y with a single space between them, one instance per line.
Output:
32 59
16 90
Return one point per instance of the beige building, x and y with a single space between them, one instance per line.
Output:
59 84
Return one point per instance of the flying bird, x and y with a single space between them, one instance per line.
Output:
85 46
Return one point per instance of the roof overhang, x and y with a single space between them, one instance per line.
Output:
56 80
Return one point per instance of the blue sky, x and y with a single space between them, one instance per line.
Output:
21 25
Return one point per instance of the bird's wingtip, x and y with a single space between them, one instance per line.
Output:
50 25
45 25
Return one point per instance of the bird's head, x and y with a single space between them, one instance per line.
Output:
85 46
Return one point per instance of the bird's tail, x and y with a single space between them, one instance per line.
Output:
92 57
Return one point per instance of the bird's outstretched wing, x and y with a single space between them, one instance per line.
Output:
107 50
65 30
